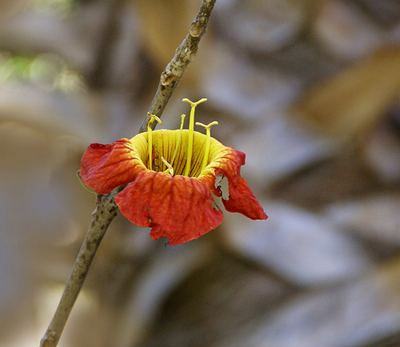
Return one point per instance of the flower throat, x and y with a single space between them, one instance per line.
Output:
176 164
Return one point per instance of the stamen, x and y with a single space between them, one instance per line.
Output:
169 166
207 149
150 137
191 133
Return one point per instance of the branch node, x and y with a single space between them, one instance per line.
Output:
195 29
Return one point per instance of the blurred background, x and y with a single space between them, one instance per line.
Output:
308 89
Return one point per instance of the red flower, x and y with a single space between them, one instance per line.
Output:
172 174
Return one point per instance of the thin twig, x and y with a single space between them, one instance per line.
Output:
184 54
102 216
106 208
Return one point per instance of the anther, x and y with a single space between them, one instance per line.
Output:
168 165
154 117
194 104
207 126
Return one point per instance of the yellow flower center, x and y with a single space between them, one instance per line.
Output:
150 137
177 152
178 143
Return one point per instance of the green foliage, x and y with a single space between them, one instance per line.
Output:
45 70
56 7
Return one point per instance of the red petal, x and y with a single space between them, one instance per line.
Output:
105 167
226 162
134 201
242 200
176 207
229 161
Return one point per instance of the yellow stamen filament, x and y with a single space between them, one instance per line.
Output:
150 137
207 149
191 133
168 165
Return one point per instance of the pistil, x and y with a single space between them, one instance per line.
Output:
150 137
191 133
208 137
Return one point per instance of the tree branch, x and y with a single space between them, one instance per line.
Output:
184 54
106 208
102 216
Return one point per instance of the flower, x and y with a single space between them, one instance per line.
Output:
172 176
